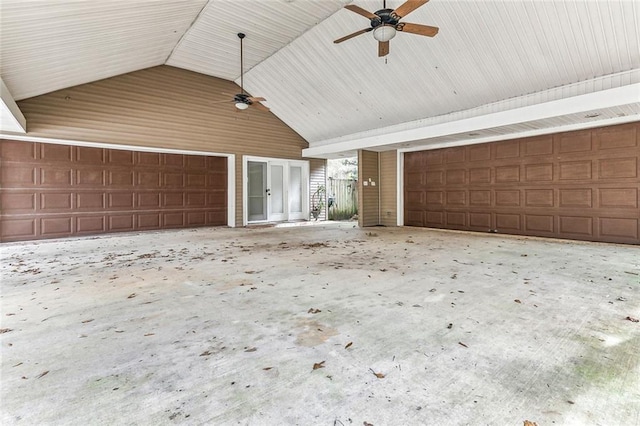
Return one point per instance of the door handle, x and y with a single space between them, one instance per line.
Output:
268 191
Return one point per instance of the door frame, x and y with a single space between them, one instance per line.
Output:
287 163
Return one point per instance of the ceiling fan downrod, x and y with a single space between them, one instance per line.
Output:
241 36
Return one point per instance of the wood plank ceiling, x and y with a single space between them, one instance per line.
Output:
489 56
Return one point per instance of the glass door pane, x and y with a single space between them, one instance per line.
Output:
257 190
295 192
276 191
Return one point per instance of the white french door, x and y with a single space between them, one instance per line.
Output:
275 190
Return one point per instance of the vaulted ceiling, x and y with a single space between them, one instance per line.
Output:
496 69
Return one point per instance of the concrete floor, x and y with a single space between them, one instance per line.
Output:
404 326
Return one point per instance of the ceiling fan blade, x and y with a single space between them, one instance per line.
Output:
361 11
228 94
261 107
419 29
383 48
357 33
408 7
252 99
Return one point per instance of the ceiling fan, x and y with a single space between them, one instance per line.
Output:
386 22
242 100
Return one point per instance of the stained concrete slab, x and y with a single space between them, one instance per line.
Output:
403 326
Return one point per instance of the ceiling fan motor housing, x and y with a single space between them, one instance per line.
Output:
385 17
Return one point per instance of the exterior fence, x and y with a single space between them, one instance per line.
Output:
342 198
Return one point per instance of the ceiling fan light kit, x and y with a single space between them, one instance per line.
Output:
386 22
242 105
384 33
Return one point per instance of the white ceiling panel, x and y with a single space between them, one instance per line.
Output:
486 51
51 45
212 46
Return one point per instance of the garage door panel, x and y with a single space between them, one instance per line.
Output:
149 158
456 220
456 198
576 198
18 151
507 174
173 160
18 229
480 220
120 178
149 220
538 172
626 198
619 227
56 177
576 225
539 197
616 138
148 200
49 190
507 198
574 142
435 219
91 224
507 150
120 158
90 177
576 170
542 145
90 156
18 202
582 185
18 176
480 175
90 201
539 223
121 222
617 168
454 177
56 226
480 197
455 155
479 152
508 222
415 217
54 152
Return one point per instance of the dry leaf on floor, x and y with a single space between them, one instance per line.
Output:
348 345
131 296
450 326
462 344
632 319
528 423
149 334
86 321
314 311
517 301
318 365
367 424
5 330
44 373
267 368
378 375
253 349
205 353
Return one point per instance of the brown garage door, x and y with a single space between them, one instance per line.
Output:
582 185
51 191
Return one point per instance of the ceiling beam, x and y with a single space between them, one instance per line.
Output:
11 118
